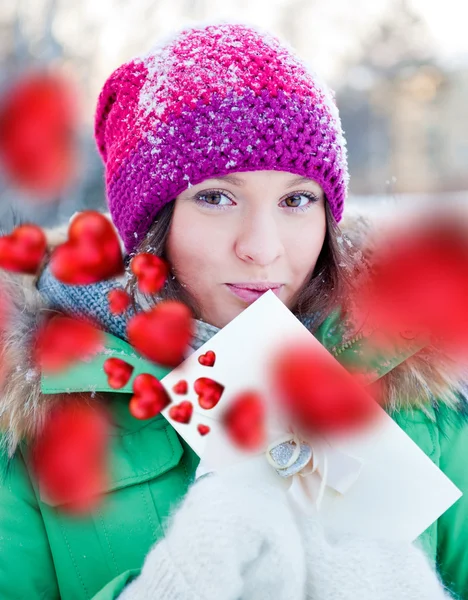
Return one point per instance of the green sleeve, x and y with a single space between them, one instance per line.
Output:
26 566
116 586
452 551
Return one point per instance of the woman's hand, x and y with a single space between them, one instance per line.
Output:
347 567
229 540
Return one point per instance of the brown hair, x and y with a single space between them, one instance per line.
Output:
324 292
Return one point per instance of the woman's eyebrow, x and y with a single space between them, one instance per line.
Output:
230 179
300 180
240 182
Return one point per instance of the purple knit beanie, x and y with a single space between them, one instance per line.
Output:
211 100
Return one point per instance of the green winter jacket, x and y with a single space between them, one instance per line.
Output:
46 554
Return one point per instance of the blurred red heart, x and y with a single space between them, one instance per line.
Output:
23 250
151 272
182 412
181 387
69 456
92 252
118 372
61 341
209 392
317 393
208 359
419 284
119 301
244 421
203 429
38 144
150 397
163 333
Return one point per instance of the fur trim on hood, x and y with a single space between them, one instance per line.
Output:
425 380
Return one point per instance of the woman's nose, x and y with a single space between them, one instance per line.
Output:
259 240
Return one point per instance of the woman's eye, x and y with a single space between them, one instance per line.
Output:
213 198
219 199
299 200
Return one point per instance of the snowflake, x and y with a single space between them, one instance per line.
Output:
31 374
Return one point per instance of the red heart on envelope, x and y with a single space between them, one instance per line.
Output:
209 392
208 359
181 387
203 429
182 413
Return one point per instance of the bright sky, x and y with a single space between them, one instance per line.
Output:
325 32
447 20
343 23
331 30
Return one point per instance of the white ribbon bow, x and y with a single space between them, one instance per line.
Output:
299 459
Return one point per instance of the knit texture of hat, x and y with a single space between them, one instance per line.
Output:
212 100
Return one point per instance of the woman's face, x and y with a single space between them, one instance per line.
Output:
236 236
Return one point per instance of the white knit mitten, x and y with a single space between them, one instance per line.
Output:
228 541
348 567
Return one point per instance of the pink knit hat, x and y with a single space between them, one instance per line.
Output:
211 100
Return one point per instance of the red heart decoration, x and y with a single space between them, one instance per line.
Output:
209 392
151 272
119 301
317 393
181 387
92 252
37 134
61 341
69 456
429 295
182 413
23 250
163 333
244 421
208 359
150 397
118 372
203 429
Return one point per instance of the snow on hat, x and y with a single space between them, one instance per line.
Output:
211 100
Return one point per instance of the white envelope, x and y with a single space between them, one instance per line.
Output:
387 486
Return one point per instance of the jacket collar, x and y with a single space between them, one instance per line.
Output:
89 376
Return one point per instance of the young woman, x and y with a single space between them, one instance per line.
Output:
224 154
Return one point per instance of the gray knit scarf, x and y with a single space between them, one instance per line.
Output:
91 302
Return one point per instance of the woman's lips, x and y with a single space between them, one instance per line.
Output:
249 295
